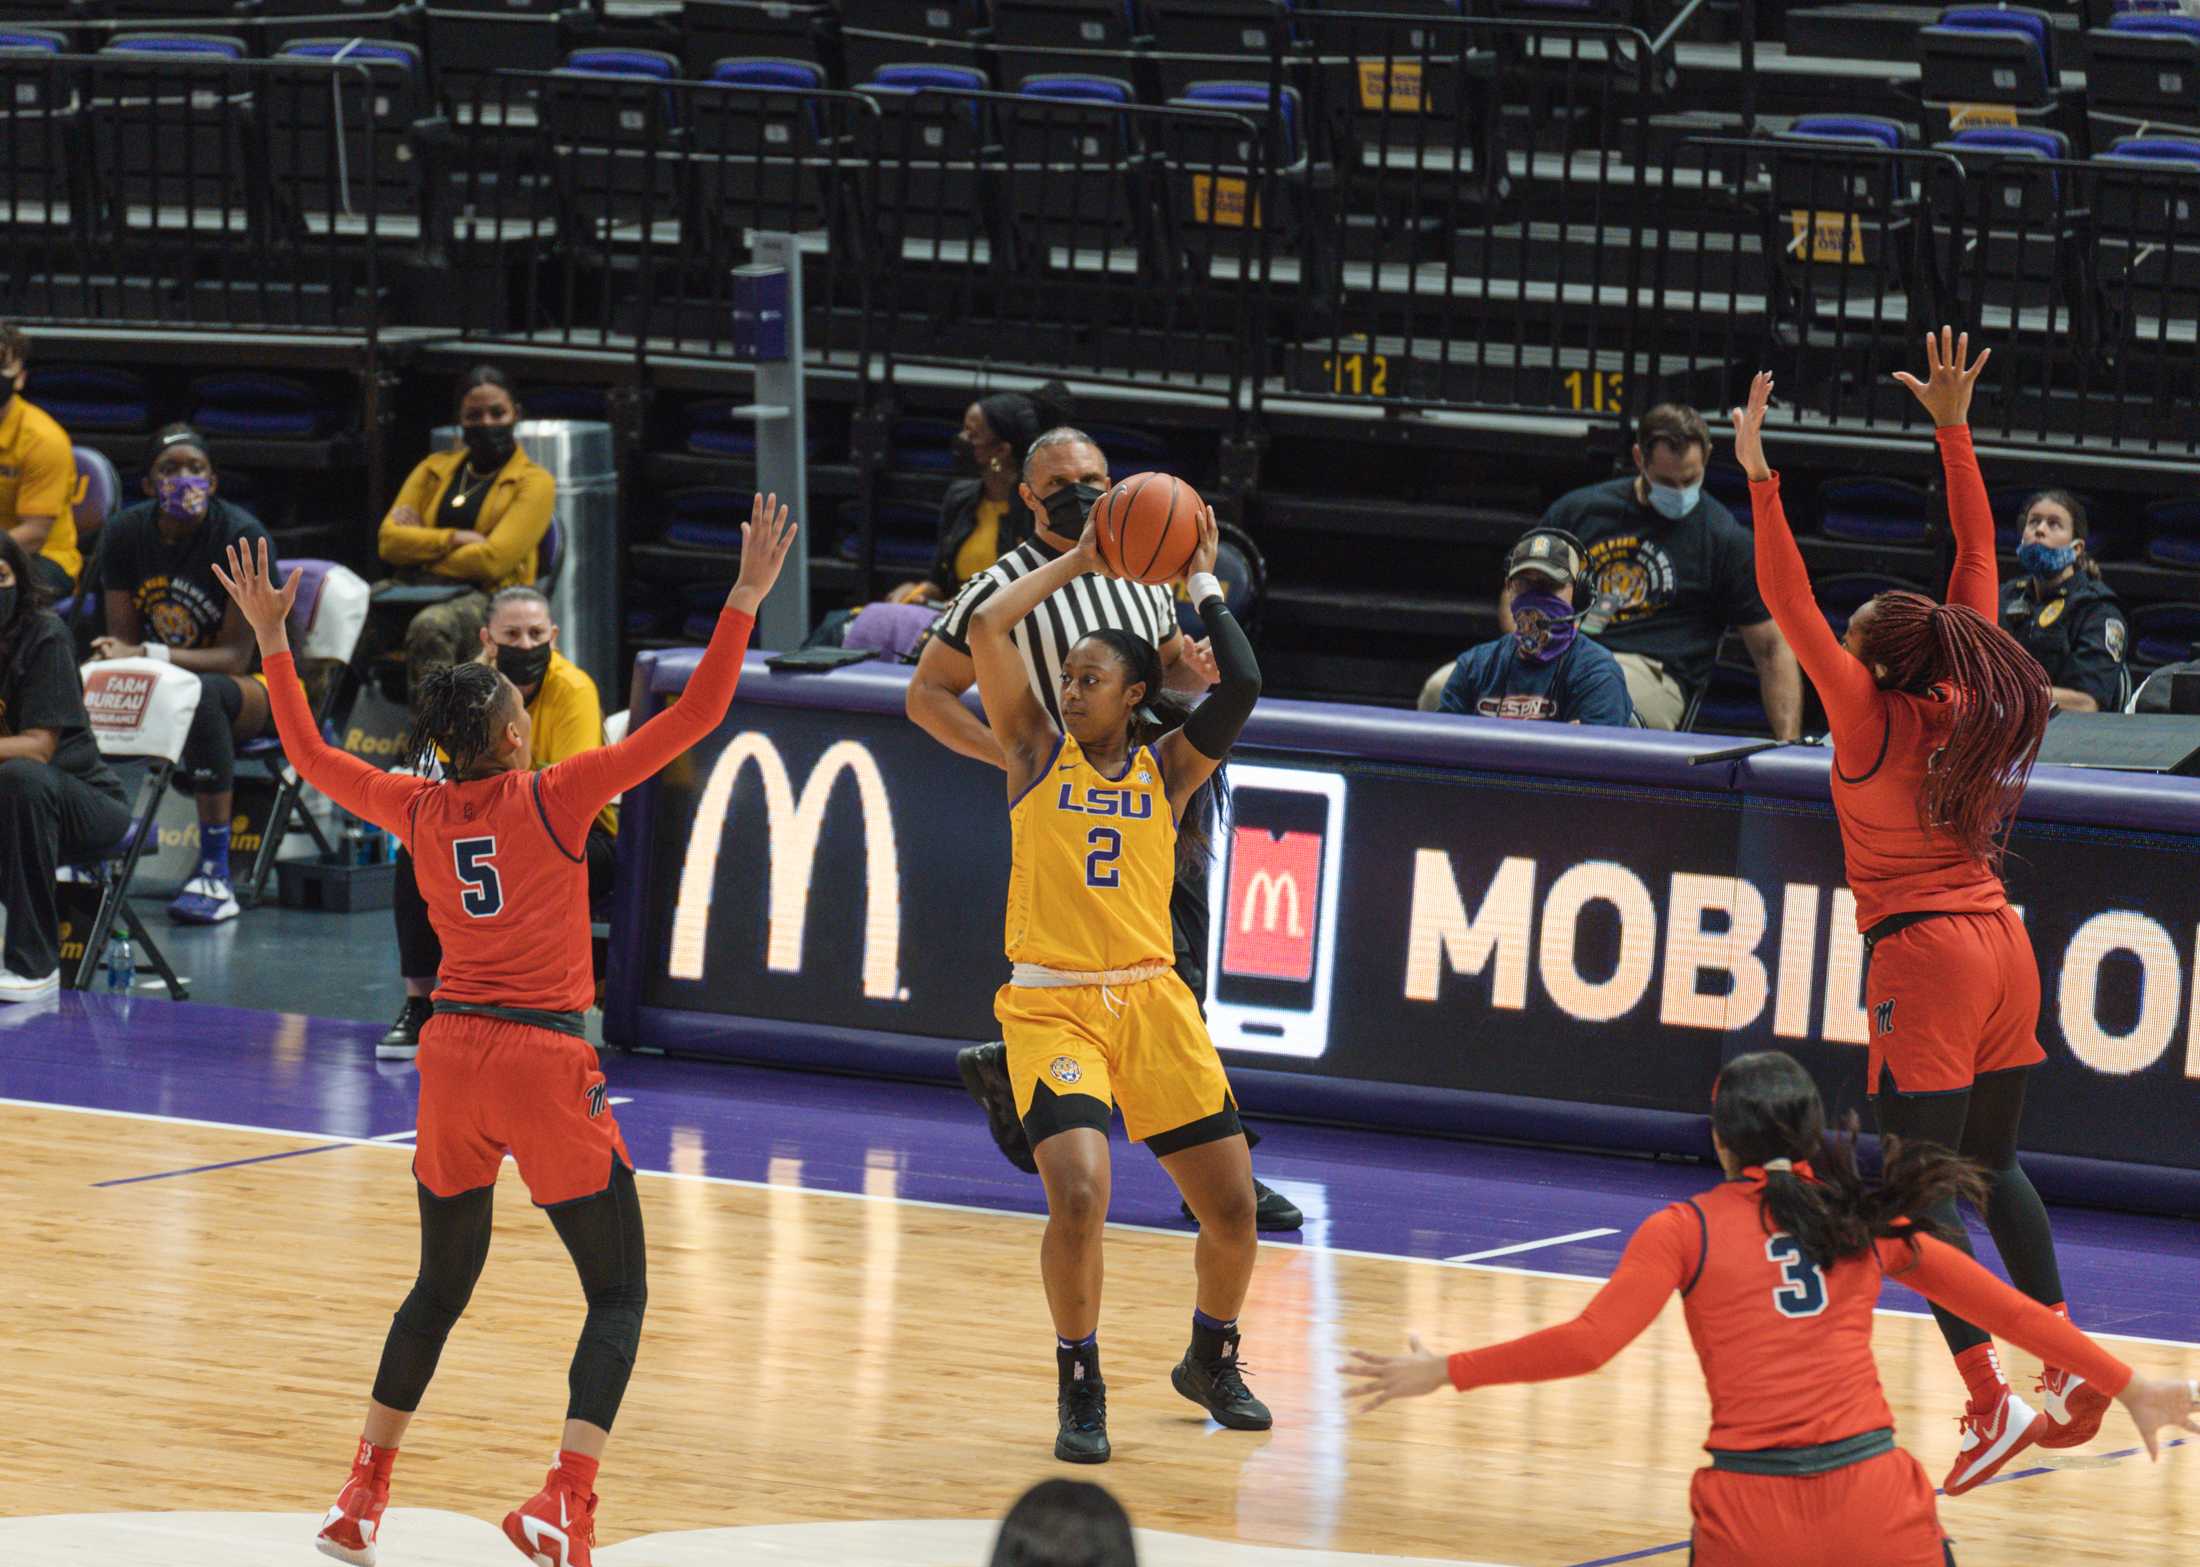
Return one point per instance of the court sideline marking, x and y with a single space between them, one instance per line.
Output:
384 1141
1520 1246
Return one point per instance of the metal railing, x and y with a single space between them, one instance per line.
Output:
195 192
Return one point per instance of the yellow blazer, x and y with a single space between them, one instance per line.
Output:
514 514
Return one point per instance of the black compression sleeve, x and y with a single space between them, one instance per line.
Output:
1216 723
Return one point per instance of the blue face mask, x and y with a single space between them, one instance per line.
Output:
1671 501
1543 626
2045 560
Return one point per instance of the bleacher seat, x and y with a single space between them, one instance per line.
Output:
349 150
906 539
763 155
167 143
1866 129
1874 511
467 41
1076 168
1236 40
91 397
1213 172
875 33
1054 37
2144 69
283 22
712 31
2173 532
2146 192
32 40
2012 192
1989 54
2163 634
617 145
256 405
929 143
140 711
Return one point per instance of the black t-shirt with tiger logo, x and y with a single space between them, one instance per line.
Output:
178 600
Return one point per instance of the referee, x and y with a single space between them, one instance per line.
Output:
1065 474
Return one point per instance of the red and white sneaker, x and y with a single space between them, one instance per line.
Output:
2073 1406
557 1528
1993 1435
348 1532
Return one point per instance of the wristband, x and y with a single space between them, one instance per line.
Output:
1203 586
158 652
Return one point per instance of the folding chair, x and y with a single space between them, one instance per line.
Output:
140 712
325 623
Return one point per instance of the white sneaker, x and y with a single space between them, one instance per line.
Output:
205 900
14 987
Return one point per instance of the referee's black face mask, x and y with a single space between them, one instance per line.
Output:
1068 507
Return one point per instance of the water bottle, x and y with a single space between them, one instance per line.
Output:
121 966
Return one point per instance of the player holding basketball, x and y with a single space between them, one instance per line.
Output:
1778 1272
1094 1011
504 1062
1936 714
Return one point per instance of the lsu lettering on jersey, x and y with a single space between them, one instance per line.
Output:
1093 861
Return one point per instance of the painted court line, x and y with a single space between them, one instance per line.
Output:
387 1140
1521 1246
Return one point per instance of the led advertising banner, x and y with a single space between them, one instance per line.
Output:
1565 939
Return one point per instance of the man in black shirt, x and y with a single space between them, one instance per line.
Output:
156 562
1669 571
59 800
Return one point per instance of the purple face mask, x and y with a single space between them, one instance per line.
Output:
1543 626
184 496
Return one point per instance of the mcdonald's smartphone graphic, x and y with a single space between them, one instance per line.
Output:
1272 934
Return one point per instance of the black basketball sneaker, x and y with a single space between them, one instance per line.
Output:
1082 1407
1216 1383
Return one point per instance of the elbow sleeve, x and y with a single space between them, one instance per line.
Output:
1216 723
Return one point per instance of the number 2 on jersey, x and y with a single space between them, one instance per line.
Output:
1804 1292
1106 844
475 859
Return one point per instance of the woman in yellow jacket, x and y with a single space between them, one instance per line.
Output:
474 515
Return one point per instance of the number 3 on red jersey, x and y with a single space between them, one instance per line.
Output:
1804 1292
475 859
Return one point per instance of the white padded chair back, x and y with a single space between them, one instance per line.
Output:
140 707
339 616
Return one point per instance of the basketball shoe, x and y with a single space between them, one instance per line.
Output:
1217 1384
984 1072
348 1532
555 1529
1081 1405
2074 1408
1993 1434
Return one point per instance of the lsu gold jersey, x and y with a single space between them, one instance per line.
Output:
1093 864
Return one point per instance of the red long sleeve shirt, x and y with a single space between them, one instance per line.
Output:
1785 1346
500 860
1884 741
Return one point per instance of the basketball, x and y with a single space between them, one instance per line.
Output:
1148 527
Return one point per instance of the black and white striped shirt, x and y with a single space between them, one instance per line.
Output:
1063 619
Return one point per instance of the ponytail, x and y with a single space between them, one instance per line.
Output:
2002 701
1767 1113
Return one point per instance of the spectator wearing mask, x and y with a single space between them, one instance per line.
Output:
982 517
566 717
1668 572
156 565
2062 612
59 801
1543 669
473 515
37 475
1065 1523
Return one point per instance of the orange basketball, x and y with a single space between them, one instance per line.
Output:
1148 527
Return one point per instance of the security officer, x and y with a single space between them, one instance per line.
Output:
2062 612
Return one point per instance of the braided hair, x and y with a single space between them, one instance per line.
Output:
1158 712
1974 782
1765 1108
459 711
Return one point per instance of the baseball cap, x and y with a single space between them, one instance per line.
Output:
1546 552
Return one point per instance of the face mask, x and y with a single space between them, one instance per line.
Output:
2045 560
1674 501
7 604
523 666
489 445
1543 626
184 496
1067 508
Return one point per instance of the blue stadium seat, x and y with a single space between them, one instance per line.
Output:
324 141
769 72
2143 69
1989 54
31 40
2163 634
1869 129
1078 89
907 538
1233 38
1998 155
930 143
615 146
203 44
712 31
622 62
1076 177
2166 151
258 406
874 33
92 397
1050 37
1874 511
2173 532
756 150
1253 97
